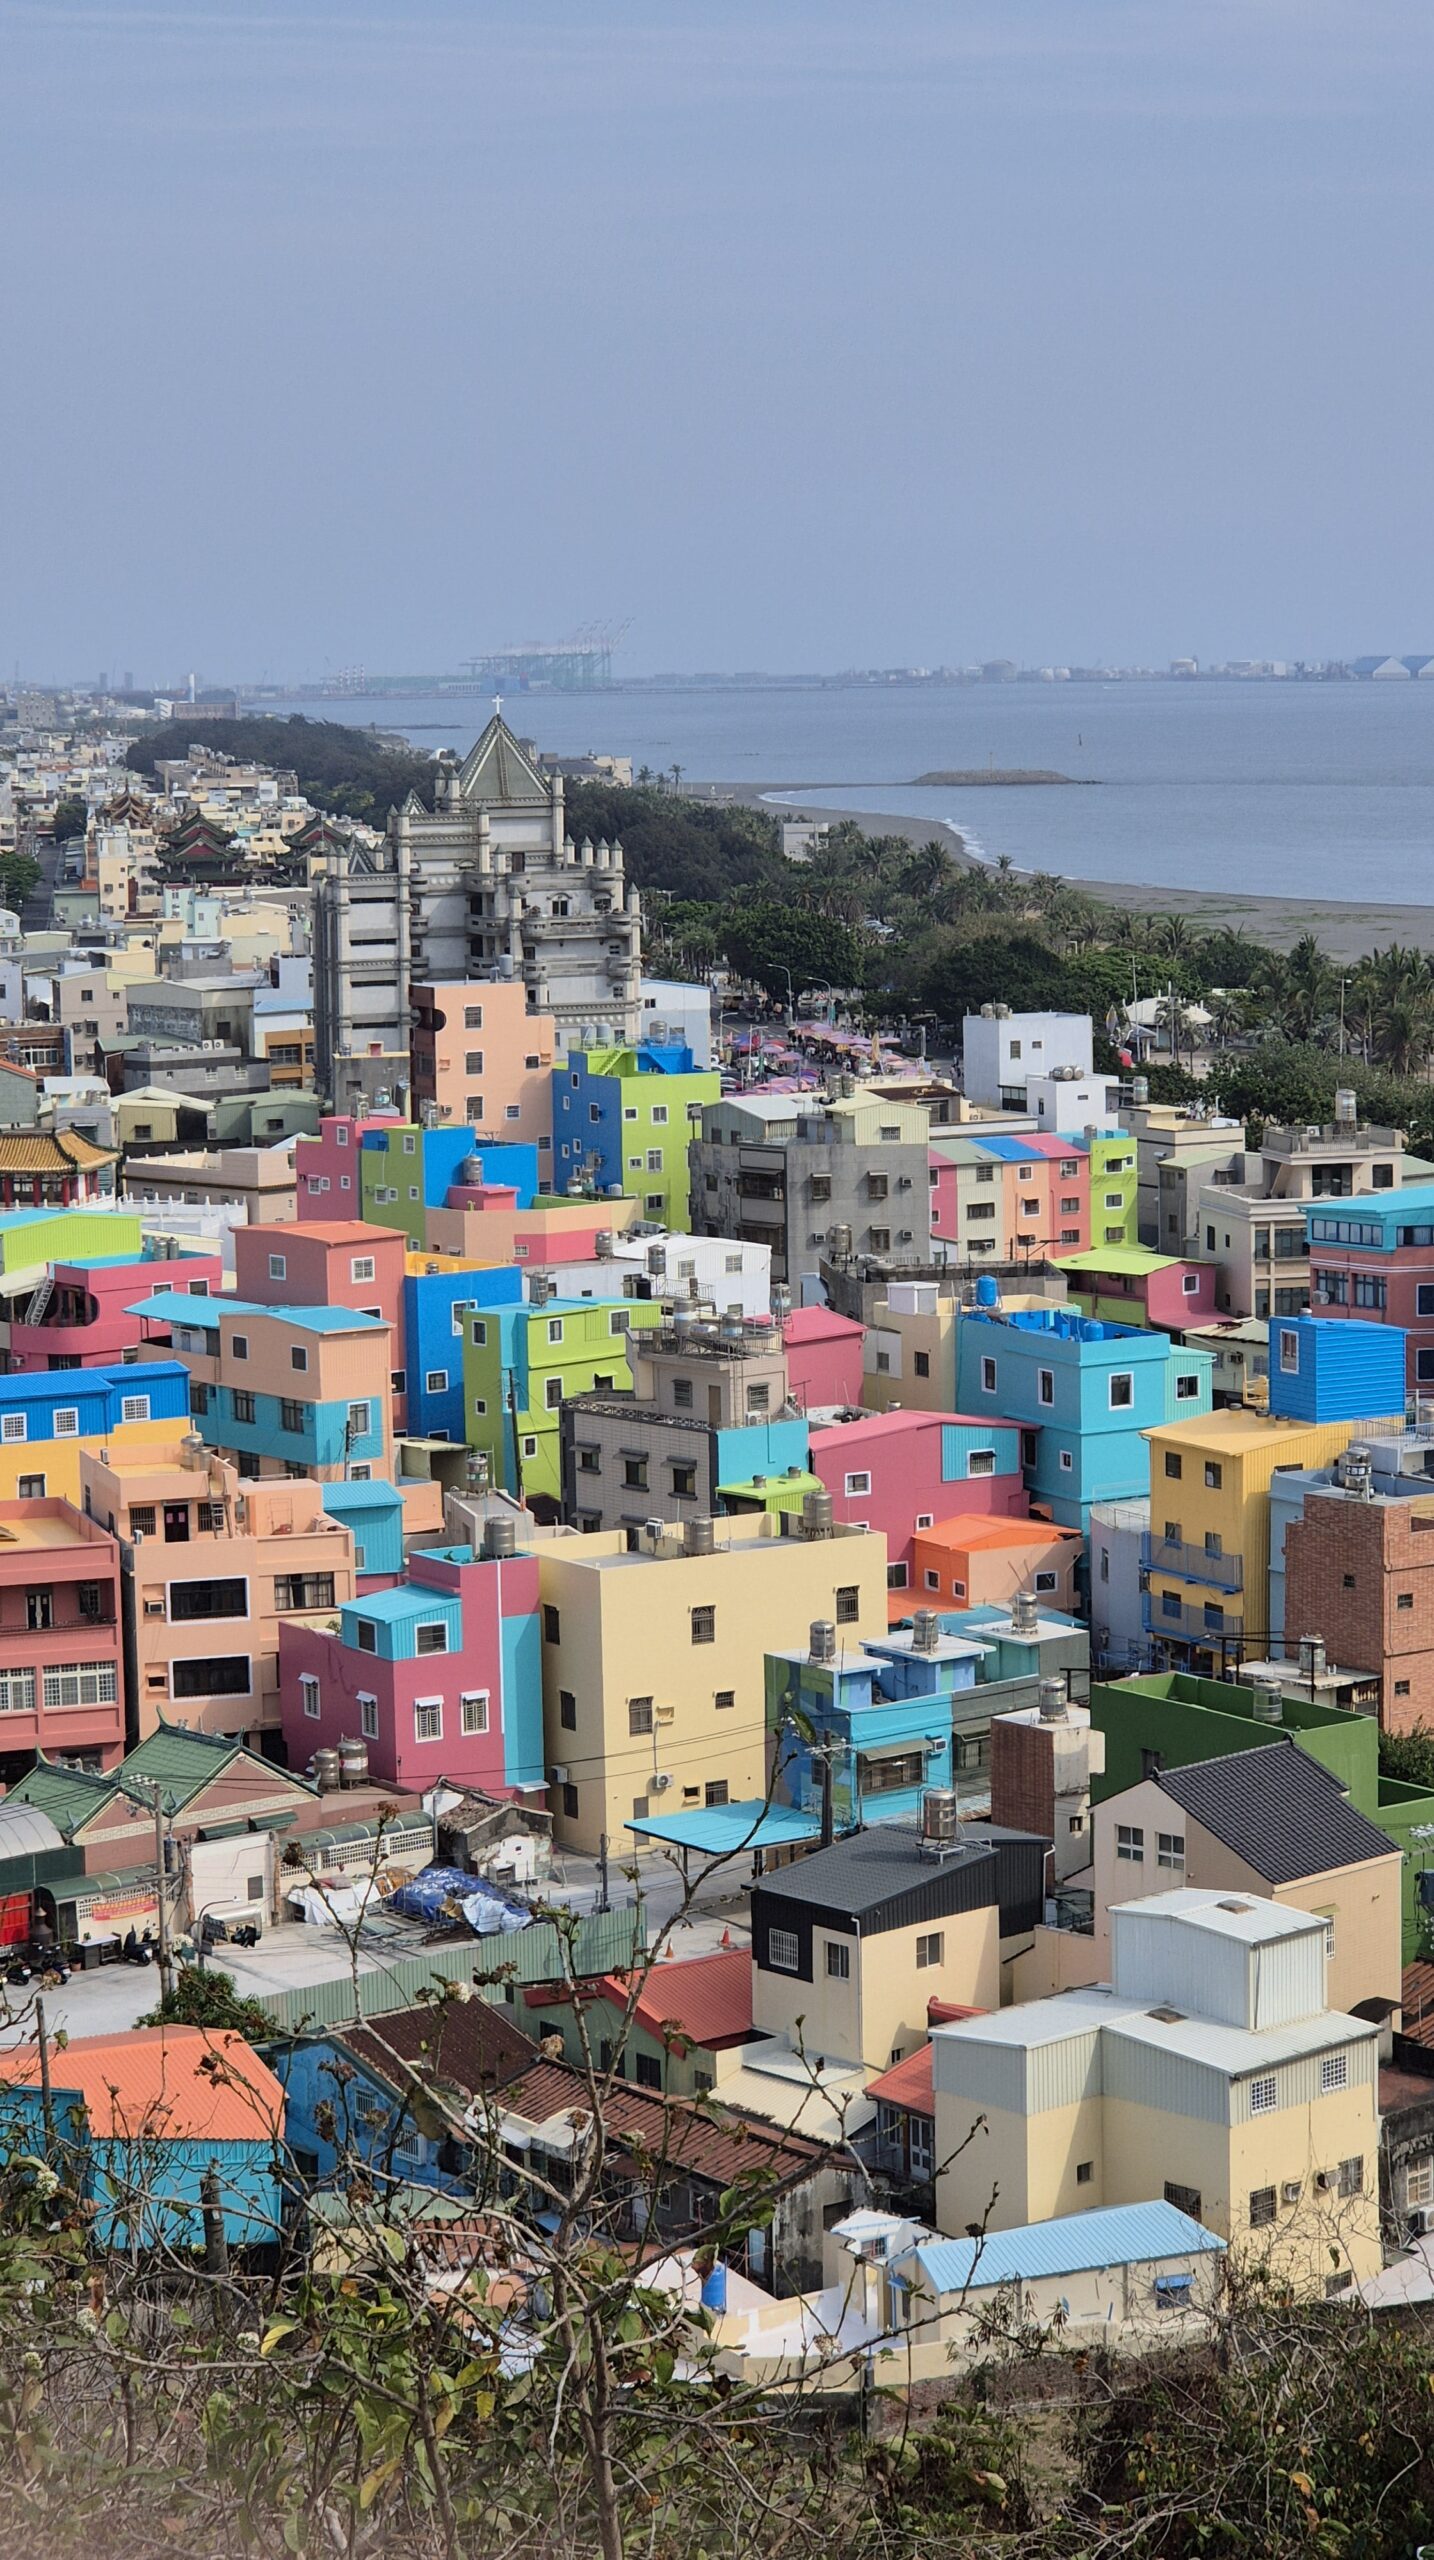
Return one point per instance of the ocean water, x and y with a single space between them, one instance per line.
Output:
1281 790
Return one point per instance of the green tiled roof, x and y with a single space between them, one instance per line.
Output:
69 1796
184 1761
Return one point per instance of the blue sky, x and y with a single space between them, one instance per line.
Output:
802 333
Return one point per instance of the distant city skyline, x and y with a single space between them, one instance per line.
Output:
802 338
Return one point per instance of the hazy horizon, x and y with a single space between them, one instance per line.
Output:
801 336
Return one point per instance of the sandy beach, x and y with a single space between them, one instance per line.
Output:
1345 927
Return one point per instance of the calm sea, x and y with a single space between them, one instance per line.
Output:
1283 790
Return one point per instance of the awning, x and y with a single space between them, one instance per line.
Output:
726 1830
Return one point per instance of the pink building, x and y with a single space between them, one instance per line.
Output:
61 1650
551 1231
1125 1284
326 1174
824 1357
902 1472
1002 1199
329 1262
441 1676
480 1057
80 1316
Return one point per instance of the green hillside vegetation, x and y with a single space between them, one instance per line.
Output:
346 771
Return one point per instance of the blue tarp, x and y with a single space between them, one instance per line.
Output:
425 1897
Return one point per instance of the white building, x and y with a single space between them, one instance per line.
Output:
674 1012
1001 1050
712 1270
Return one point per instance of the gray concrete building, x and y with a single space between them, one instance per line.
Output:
709 1407
810 1177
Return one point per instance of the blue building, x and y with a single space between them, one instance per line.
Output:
404 1171
76 1404
347 2095
1335 1369
433 1304
307 1389
373 1511
146 2117
880 1716
1084 1394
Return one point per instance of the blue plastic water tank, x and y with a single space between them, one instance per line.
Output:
988 1292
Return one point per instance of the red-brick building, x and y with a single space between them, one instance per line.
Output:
1359 1571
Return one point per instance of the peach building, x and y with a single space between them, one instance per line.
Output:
977 1559
551 1231
479 1056
209 1566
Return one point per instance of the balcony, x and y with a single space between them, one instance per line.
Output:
1188 1625
1192 1564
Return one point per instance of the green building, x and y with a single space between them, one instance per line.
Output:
521 1364
1167 1719
623 1120
1113 1187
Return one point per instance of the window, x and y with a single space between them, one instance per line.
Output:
859 1482
303 1591
783 1952
94 1684
1404 1600
1349 2178
1130 1843
988 1377
278 1266
930 1580
435 1381
723 1698
243 1404
473 1711
1170 1848
198 1396
704 1626
1418 2181
1067 1462
1085 2171
930 1949
1401 1688
1333 2072
570 1801
552 1394
1424 1298
134 1409
360 1423
1122 1390
366 1635
684 1482
682 1393
1173 1464
298 1356
838 1960
1045 1386
921 1363
639 1715
226 1599
309 1695
759 1398
39 1609
31 1488
1186 1389
143 1519
552 1626
1044 1582
17 1692
567 1711
224 1675
1214 1474
634 1474
1262 2207
1264 2095
473 1017
1184 2199
431 1636
291 1414
981 1462
66 1424
848 1601
428 1720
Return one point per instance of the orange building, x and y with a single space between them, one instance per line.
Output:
480 1057
211 1564
978 1559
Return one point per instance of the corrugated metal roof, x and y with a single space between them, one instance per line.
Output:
708 1997
717 1831
176 1306
1108 2236
1278 1810
907 2083
868 1869
164 2083
24 1830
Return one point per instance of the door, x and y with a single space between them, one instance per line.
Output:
176 1522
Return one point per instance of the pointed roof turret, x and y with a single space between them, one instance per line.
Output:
497 772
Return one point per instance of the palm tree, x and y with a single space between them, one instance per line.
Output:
1403 1034
1173 934
926 869
1307 989
677 777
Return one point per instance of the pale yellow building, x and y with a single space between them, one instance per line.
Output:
1209 2068
654 1658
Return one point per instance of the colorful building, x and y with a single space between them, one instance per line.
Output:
522 1363
1114 1188
1374 1257
31 1239
1005 1199
825 1356
326 1172
1127 1284
866 1728
1085 1395
440 1676
284 1391
654 1681
977 1559
52 1168
900 1473
911 1348
406 1173
439 1290
80 1315
547 1233
483 1061
623 1119
61 1652
211 1565
708 1425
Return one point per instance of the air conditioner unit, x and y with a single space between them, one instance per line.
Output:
1291 2191
660 1781
558 1776
1324 2180
1421 2220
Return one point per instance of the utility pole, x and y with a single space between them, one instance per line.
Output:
216 2247
166 1982
47 2099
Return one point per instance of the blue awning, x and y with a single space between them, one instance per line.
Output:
726 1830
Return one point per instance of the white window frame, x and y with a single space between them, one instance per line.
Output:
473 1711
435 1381
17 1691
310 1695
14 1426
67 1422
431 1710
361 1269
278 1266
784 1951
368 1715
859 1481
1333 2073
1130 1844
1264 2095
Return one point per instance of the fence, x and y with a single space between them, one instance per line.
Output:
604 1942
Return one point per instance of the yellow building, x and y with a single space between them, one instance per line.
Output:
40 1468
1209 1544
1208 2069
654 1658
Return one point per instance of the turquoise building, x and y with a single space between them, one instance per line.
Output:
1083 1394
879 1716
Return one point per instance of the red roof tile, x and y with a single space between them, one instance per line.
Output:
907 2084
712 2142
708 1997
174 2083
1418 2003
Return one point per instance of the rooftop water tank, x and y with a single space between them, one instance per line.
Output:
823 1641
